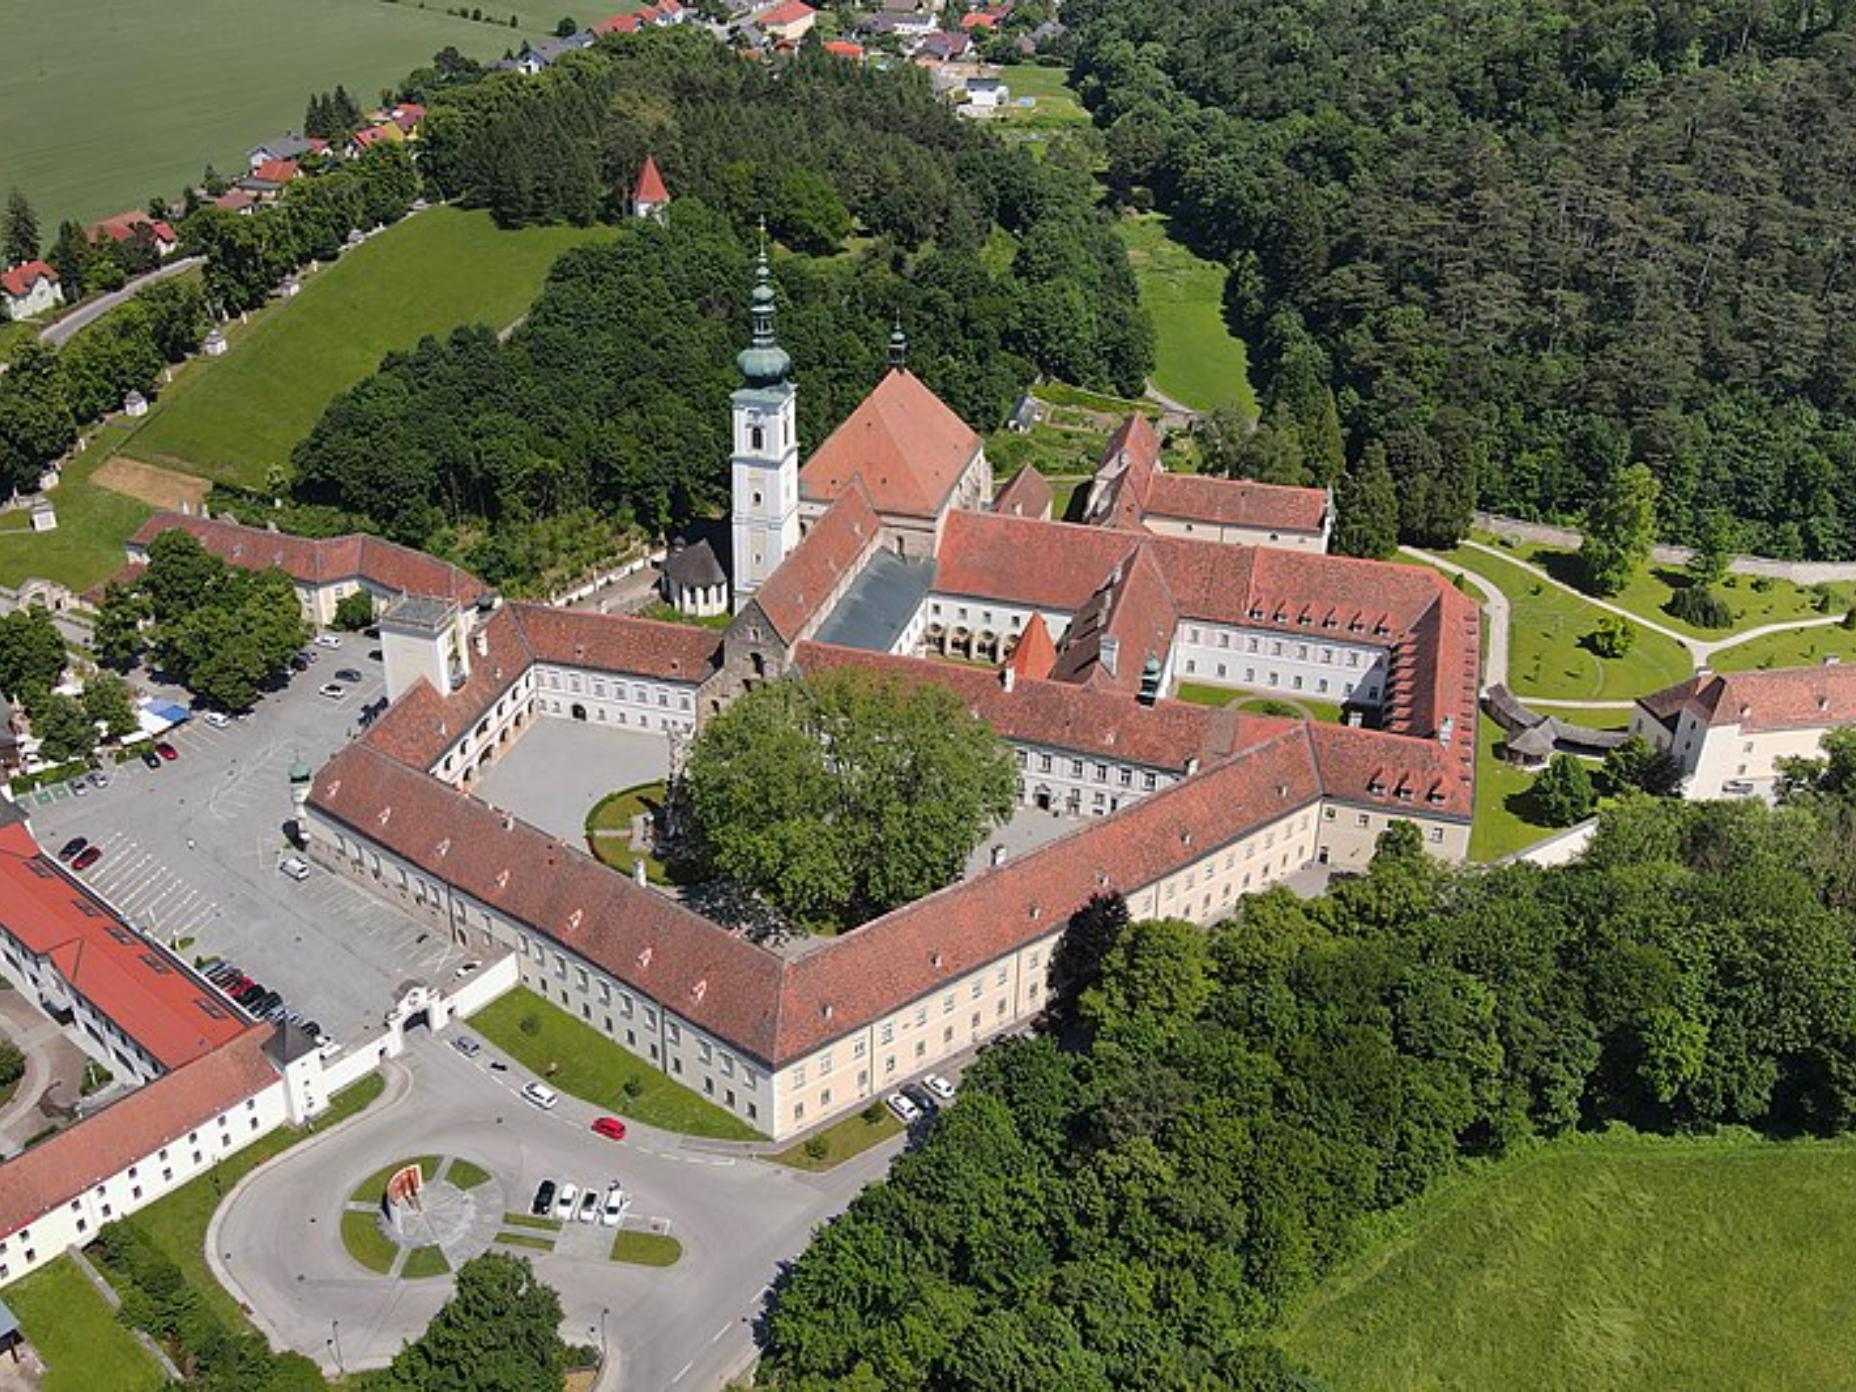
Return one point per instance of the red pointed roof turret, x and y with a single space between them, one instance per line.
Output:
650 187
1035 654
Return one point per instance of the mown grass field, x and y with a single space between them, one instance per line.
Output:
1618 1262
1801 647
578 1059
93 524
232 418
130 98
1547 653
1503 822
75 1332
852 1136
1197 361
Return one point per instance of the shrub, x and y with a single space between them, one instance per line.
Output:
1849 620
1762 584
816 1148
1702 607
355 612
1613 637
873 1113
530 1024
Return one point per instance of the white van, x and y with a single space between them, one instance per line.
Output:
540 1094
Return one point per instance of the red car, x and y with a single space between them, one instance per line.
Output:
86 859
610 1127
167 751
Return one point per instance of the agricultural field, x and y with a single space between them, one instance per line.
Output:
1615 1261
144 96
232 418
1197 361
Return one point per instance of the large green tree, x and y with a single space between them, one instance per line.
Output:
499 1332
32 654
1620 528
19 240
1366 507
64 728
839 796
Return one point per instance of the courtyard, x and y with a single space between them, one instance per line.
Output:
553 775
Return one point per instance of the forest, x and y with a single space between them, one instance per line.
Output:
611 399
1533 241
1131 1196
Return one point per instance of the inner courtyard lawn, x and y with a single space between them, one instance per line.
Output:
1503 820
1619 1262
578 1059
233 418
1548 655
1197 360
76 1334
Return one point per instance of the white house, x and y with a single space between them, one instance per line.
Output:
30 289
1728 730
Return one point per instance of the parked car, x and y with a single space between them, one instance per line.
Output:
167 751
544 1199
266 1003
328 640
78 787
541 1095
313 1029
610 1127
921 1097
1738 787
150 758
295 867
300 662
906 1111
940 1087
466 1046
72 847
614 1207
347 674
250 994
469 968
207 964
589 1206
87 857
564 1204
218 720
333 690
99 779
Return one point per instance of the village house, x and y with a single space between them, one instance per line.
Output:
1729 730
29 289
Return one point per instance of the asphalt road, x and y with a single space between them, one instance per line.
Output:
191 851
276 1243
56 334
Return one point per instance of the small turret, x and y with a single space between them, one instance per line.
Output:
898 347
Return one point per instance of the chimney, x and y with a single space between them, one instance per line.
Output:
1111 652
1150 681
1446 731
1008 676
482 643
1192 765
998 856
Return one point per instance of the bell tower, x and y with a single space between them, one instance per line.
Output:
765 466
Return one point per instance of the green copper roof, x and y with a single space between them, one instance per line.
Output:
766 363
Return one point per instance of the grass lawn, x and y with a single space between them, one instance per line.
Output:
143 96
76 1333
529 1220
371 1189
366 1243
1802 647
1613 1262
1048 448
578 1059
668 613
1501 824
93 524
1651 589
1295 707
608 828
466 1175
231 418
1547 656
843 1139
1054 109
1197 361
646 1249
424 1261
177 1223
539 1244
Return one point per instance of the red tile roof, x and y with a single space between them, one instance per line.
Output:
18 280
1051 565
1377 768
369 136
235 200
1128 621
706 974
617 24
157 1114
320 560
836 546
650 187
407 115
1035 655
615 643
843 48
122 227
1236 503
155 999
906 444
1027 495
786 12
1784 698
282 171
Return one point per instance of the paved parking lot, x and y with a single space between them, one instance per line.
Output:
190 850
554 774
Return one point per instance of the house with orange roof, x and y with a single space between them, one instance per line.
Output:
31 288
135 225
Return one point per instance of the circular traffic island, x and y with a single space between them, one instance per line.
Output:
422 1216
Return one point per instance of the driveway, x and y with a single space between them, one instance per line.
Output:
190 851
56 334
276 1242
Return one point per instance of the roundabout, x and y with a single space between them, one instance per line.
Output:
422 1217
